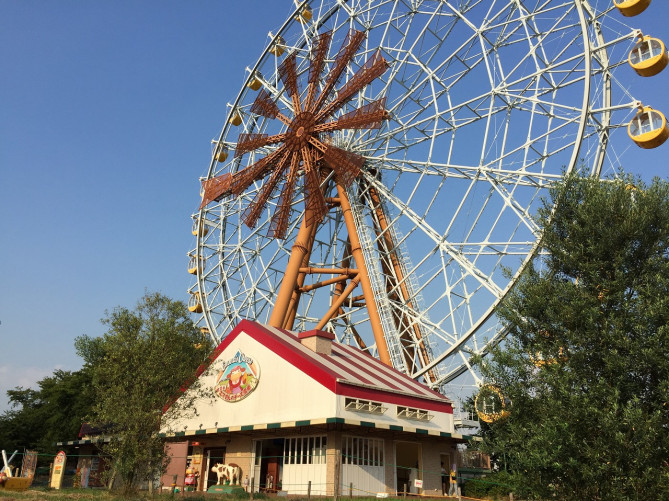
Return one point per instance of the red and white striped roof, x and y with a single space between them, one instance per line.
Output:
348 371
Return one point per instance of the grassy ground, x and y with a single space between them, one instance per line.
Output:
46 494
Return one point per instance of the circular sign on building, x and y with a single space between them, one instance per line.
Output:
237 377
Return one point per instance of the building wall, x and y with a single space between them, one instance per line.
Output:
177 451
239 451
432 450
441 421
279 383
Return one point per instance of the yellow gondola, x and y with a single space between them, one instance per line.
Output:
200 228
649 56
539 361
196 265
222 154
648 129
194 303
305 15
277 47
490 404
236 119
255 83
205 334
629 8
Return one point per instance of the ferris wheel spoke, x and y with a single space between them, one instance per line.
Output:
520 177
439 240
249 142
243 179
252 213
320 50
369 116
279 223
266 107
288 73
370 71
348 49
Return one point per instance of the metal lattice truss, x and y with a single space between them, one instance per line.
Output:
444 155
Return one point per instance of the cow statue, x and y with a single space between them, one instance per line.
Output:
231 472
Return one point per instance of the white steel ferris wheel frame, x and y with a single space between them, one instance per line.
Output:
489 104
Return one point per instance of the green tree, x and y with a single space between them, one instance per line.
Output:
52 413
586 365
138 366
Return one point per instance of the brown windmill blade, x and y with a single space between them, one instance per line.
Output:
215 188
346 164
320 50
288 74
243 179
370 116
344 56
373 68
279 223
253 211
264 105
250 142
314 201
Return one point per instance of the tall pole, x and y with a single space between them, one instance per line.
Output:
356 251
301 249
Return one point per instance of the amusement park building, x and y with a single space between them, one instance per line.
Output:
294 410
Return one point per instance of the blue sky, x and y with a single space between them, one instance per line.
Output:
107 110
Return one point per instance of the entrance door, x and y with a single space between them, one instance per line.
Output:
445 469
268 464
212 456
408 459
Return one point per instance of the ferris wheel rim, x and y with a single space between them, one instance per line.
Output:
491 310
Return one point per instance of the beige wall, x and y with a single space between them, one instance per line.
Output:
177 451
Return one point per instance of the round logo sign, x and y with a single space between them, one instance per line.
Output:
237 378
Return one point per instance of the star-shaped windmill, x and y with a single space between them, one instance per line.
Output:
304 151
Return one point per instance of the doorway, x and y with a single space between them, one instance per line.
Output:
212 456
445 459
268 465
408 459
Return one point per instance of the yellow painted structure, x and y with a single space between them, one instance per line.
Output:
278 47
16 484
222 154
648 129
236 119
255 83
200 228
649 56
194 303
305 15
629 8
195 265
490 404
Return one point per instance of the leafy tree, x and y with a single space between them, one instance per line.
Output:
53 413
138 366
586 365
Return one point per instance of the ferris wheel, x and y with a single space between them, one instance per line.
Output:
378 173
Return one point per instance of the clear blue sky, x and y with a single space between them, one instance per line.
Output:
107 110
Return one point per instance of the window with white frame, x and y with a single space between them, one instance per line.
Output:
415 414
305 450
356 404
362 451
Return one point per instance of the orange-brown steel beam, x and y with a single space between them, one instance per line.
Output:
324 283
401 279
291 312
299 253
329 271
356 251
337 304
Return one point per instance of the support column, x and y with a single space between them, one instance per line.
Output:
299 253
356 251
